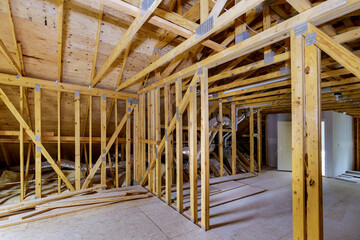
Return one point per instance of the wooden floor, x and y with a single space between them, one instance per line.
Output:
266 215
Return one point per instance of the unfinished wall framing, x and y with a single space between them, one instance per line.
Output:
173 95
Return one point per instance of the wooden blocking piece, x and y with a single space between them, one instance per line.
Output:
313 142
37 99
77 140
179 148
157 138
205 162
103 138
21 136
193 153
128 145
221 147
252 152
233 138
297 134
259 143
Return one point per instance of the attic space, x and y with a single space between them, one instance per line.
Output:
180 119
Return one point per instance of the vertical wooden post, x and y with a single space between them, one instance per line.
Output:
22 183
357 144
116 146
59 137
179 147
150 136
221 146
136 151
193 153
168 146
90 133
259 143
37 99
233 138
103 138
205 164
77 140
128 147
297 134
313 142
251 121
157 138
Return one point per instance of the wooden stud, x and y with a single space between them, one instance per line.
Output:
128 147
37 100
205 161
150 136
179 148
259 143
251 129
22 184
193 153
103 138
298 144
168 146
77 141
358 143
157 138
204 10
116 148
233 138
90 133
221 146
59 137
314 205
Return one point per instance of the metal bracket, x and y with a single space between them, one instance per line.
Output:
264 5
166 137
103 159
326 90
104 96
156 151
104 151
310 39
134 101
38 149
242 36
269 57
215 95
190 89
205 27
128 116
300 29
37 138
199 71
229 99
285 70
145 5
37 87
77 94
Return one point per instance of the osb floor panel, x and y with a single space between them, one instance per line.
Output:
266 215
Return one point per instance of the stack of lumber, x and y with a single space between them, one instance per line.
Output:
350 176
67 202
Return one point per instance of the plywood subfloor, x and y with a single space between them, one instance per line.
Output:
266 215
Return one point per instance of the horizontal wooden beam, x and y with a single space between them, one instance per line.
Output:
13 80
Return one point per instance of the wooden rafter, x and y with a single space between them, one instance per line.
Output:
125 40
